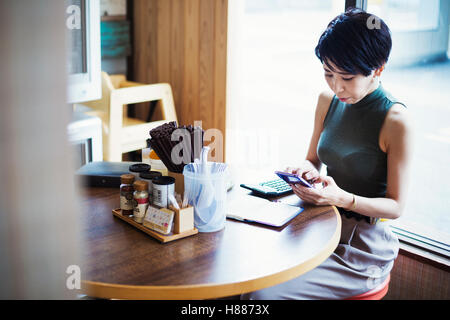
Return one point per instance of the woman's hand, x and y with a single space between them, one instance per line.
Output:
307 171
330 194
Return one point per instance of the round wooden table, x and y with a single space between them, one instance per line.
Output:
122 262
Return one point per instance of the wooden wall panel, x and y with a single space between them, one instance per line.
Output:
177 48
220 67
184 43
415 279
188 104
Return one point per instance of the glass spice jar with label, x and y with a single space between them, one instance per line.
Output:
126 194
141 200
149 176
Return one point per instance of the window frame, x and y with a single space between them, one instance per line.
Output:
405 235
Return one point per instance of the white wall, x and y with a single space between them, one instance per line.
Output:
39 216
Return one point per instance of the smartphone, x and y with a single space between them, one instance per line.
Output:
293 178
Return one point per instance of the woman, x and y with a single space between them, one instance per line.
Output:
363 136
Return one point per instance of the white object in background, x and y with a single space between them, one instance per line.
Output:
113 7
35 158
122 134
86 85
146 156
87 130
156 165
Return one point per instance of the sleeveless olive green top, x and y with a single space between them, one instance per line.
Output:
349 147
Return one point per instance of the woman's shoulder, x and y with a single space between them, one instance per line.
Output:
397 113
392 102
398 117
325 98
397 125
323 103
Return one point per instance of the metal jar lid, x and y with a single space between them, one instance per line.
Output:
139 167
150 175
163 180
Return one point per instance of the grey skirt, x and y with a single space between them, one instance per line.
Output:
363 259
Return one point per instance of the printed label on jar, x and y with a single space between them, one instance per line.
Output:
157 198
140 207
160 194
126 201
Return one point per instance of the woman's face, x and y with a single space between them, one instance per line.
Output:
349 88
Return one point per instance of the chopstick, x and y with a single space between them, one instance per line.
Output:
162 143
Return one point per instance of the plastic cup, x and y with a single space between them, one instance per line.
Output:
210 215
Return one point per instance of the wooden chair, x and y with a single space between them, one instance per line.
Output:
122 134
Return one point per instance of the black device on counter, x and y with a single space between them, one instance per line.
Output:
103 173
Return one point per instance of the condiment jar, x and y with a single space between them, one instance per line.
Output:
138 168
162 187
141 200
126 194
149 176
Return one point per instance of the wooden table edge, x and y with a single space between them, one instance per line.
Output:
209 291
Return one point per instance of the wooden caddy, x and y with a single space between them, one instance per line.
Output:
183 225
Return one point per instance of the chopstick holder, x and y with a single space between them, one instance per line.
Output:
183 220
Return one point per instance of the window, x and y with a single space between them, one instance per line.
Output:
280 79
83 44
407 15
418 75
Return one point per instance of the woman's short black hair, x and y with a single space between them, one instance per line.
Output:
356 42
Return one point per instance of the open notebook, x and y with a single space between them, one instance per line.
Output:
254 209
